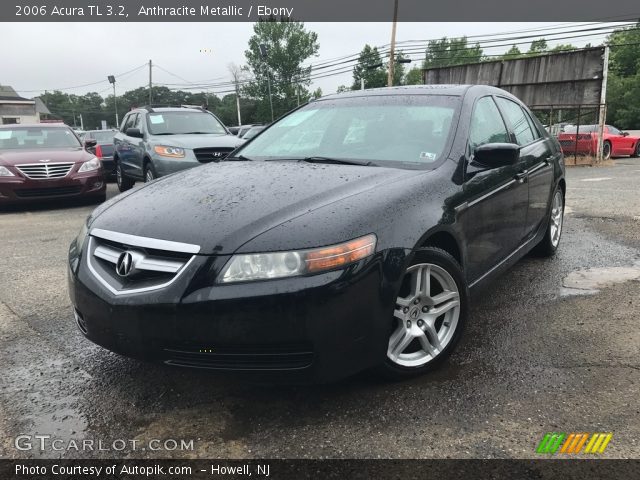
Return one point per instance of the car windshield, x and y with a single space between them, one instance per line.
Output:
102 136
581 128
406 131
176 123
26 138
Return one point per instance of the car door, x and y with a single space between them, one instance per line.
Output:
129 158
122 143
497 198
620 144
536 155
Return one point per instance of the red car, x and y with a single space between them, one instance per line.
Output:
616 143
47 161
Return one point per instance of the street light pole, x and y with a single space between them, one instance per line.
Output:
112 81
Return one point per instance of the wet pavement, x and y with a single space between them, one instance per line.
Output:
553 345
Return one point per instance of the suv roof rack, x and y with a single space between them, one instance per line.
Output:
149 108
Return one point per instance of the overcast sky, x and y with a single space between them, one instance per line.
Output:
49 56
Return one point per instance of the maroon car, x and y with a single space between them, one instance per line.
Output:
46 161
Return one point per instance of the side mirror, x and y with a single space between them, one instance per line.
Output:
495 155
625 134
89 142
134 132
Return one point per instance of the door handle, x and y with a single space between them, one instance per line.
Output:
521 177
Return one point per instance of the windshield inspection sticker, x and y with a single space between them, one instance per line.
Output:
156 119
427 156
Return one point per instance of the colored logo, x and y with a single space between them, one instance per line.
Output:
574 443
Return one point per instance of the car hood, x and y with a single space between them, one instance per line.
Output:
198 140
222 206
19 157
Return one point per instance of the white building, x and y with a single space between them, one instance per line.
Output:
17 109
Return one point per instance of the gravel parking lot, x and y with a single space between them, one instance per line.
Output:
552 346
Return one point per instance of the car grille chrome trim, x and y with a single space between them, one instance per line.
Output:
147 262
145 242
43 171
155 264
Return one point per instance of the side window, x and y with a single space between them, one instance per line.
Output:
517 120
125 120
138 122
487 125
532 124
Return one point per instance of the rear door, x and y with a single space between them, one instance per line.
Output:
536 155
498 198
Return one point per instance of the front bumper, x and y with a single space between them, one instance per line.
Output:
166 166
19 189
317 328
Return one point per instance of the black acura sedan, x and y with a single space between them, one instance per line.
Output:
347 235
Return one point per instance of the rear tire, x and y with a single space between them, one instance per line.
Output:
123 182
430 314
551 240
606 150
637 151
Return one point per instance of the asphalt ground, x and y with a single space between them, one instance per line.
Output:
552 346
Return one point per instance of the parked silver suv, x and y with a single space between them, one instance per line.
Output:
156 141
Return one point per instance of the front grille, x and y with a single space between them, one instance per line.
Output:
131 264
211 154
40 171
284 357
47 192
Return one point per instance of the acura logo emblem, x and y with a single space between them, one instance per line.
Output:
44 160
125 264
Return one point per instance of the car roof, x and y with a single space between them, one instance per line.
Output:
33 125
451 90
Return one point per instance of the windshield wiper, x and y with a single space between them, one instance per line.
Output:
163 133
338 161
197 133
236 158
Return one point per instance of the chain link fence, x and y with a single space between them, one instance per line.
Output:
577 129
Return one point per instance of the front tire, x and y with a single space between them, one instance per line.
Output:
637 151
429 317
149 173
551 240
123 182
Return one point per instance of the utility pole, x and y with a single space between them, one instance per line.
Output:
263 53
603 105
81 123
392 52
362 83
150 83
298 90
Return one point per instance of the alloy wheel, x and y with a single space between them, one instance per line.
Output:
118 175
427 313
606 150
148 176
557 212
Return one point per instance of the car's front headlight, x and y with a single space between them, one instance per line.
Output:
166 151
265 266
89 166
5 172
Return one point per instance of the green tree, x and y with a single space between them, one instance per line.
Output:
373 77
414 77
288 45
537 47
451 51
512 53
623 86
398 70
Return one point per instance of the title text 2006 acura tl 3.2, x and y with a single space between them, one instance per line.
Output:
347 235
